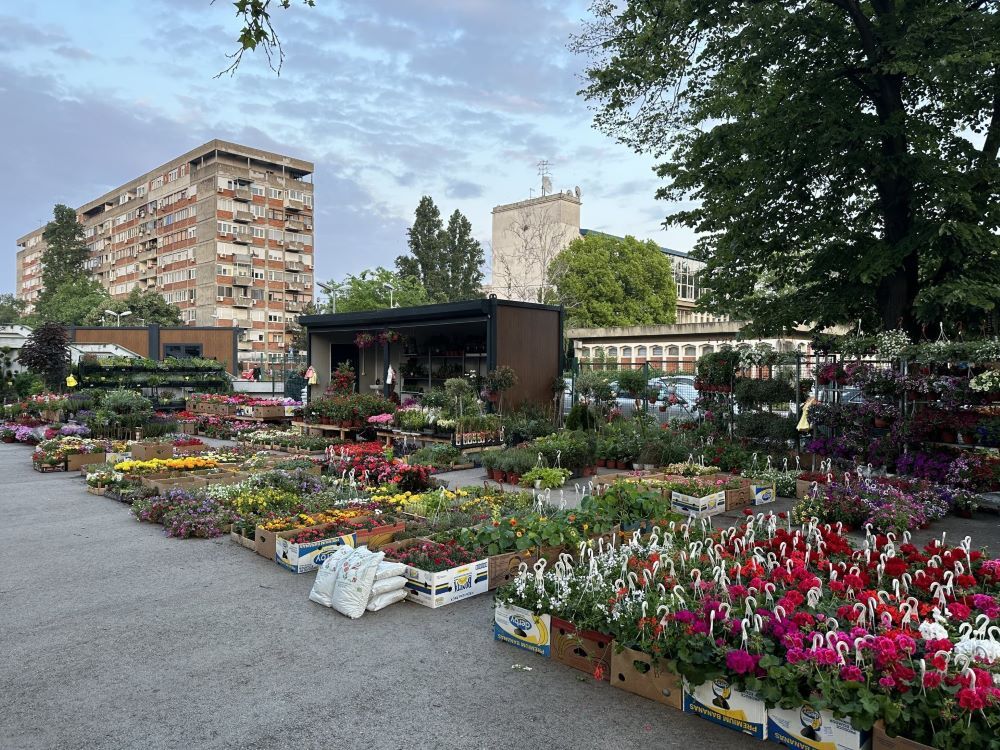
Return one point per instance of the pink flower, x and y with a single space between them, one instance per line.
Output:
887 682
932 680
741 661
851 673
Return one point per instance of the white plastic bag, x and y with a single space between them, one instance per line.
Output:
384 600
389 569
388 584
326 576
355 577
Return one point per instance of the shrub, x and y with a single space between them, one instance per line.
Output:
581 417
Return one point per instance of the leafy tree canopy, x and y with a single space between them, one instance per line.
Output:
71 302
446 261
11 310
65 251
369 290
147 307
46 353
842 153
611 281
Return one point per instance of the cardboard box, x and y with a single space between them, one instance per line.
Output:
447 586
522 628
77 461
241 540
720 702
882 741
377 538
149 451
738 498
805 727
634 672
265 542
585 650
699 507
162 486
762 494
503 568
302 558
804 488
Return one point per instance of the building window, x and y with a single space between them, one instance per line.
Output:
599 352
673 351
640 351
707 349
181 351
585 352
627 351
657 351
612 352
690 351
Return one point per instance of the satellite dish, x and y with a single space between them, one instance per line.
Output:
577 192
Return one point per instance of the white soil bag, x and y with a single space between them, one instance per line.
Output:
384 600
326 576
355 577
388 584
389 569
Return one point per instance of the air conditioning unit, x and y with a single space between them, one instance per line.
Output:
219 299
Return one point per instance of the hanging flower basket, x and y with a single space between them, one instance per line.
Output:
365 340
389 337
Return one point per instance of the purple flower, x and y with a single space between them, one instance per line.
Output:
741 661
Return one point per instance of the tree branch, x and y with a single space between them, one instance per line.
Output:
991 146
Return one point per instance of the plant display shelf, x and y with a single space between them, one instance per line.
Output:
308 428
261 419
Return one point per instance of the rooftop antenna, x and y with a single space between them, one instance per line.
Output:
543 172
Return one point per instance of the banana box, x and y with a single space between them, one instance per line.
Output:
436 589
762 494
806 728
722 703
302 558
699 507
522 628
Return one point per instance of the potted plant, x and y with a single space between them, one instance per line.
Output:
542 477
965 502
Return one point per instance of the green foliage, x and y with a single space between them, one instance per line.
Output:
72 301
843 154
11 310
439 456
548 478
120 412
633 383
595 386
46 354
608 281
258 31
765 428
758 392
65 251
582 417
369 290
446 261
147 307
718 368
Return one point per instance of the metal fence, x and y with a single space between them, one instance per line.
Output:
671 379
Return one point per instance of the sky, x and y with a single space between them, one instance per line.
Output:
391 99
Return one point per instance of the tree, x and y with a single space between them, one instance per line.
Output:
300 341
464 258
72 302
608 281
147 307
65 251
46 353
844 152
447 262
369 290
425 240
11 310
258 31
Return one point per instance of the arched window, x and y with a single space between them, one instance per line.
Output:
673 351
707 349
598 352
626 351
690 351
657 351
585 352
612 352
640 351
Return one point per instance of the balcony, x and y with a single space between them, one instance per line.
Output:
242 279
242 194
295 307
293 266
244 217
242 300
294 286
294 225
244 346
241 239
296 247
292 326
293 205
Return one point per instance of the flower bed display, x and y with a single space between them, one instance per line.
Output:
440 574
797 620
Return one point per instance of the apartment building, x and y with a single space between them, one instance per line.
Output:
224 231
529 234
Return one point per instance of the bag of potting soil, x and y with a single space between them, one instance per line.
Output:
389 569
355 577
388 584
326 576
384 600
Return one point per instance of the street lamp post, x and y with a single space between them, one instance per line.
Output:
332 290
118 316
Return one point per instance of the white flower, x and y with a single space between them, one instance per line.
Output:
931 631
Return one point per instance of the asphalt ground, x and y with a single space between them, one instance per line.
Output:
114 636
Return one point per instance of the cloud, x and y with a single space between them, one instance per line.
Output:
460 189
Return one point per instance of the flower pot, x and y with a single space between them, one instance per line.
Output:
948 436
538 484
600 461
621 465
963 512
663 407
967 438
514 479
